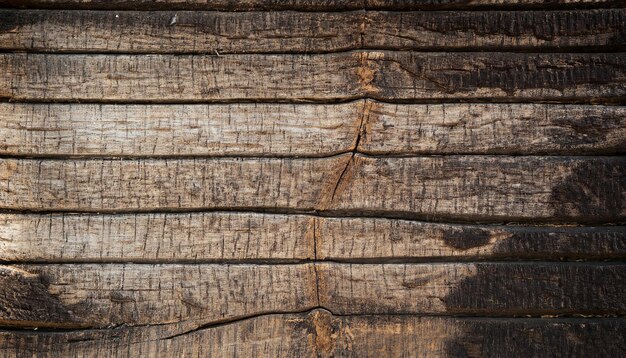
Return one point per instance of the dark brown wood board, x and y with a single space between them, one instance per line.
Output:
312 178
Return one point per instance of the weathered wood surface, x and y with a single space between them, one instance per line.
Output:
178 184
495 30
319 334
193 237
483 188
386 240
266 32
187 130
306 5
247 237
308 130
76 295
492 128
179 32
393 76
94 295
495 289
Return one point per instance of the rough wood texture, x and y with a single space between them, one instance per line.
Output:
484 188
319 334
492 128
379 240
306 5
188 295
91 295
308 130
393 76
244 237
179 32
186 130
121 185
496 289
266 32
500 31
194 237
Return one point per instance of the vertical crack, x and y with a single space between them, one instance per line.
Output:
317 279
365 113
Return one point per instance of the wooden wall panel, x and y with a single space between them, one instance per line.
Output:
336 178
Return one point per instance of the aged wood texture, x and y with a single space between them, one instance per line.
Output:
305 5
484 188
94 295
77 296
318 333
246 237
393 76
265 32
497 289
493 30
308 130
179 32
173 184
492 128
385 240
193 237
185 130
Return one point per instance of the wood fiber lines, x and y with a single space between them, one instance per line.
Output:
315 178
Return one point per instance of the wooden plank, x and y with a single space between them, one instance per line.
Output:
495 30
320 334
302 32
393 76
304 5
170 78
499 76
377 240
179 32
172 184
92 295
484 188
492 129
494 289
192 237
308 130
178 130
481 4
189 296
249 237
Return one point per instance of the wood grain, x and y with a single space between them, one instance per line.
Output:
483 188
248 237
305 32
385 240
294 130
495 289
179 130
172 184
168 78
90 295
551 77
320 334
179 32
492 129
495 30
94 295
304 5
193 237
391 76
